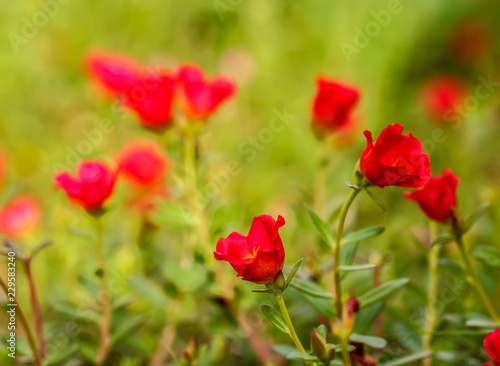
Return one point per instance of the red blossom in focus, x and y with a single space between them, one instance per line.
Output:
200 97
116 74
441 95
395 159
20 216
492 345
151 98
92 186
257 257
333 105
438 197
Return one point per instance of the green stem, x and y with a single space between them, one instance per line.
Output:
336 253
293 334
345 353
320 180
24 323
430 314
37 314
105 327
475 280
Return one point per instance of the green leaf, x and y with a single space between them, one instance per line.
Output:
284 349
352 185
275 318
321 228
57 358
376 199
476 215
374 342
347 253
311 288
408 359
363 234
381 292
487 255
481 323
322 330
301 356
126 327
338 348
442 240
293 272
358 267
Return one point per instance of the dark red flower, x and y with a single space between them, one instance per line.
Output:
20 216
200 97
441 95
395 159
492 345
257 257
91 188
116 74
151 98
143 164
438 197
332 106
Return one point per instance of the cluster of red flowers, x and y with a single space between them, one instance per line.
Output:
151 93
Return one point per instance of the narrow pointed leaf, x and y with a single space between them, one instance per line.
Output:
442 240
381 292
476 215
406 360
487 255
311 288
352 185
363 234
356 267
275 318
376 199
374 342
347 253
321 228
301 356
61 355
293 272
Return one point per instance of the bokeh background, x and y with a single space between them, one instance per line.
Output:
51 117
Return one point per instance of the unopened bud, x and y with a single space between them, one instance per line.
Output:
351 308
318 345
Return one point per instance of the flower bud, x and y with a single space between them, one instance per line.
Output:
351 308
318 345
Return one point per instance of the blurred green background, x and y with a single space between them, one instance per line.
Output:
274 50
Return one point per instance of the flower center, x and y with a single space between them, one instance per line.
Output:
253 254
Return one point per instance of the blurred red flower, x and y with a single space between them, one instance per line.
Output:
91 187
151 98
332 106
441 95
20 216
142 163
492 345
200 97
438 197
395 159
116 74
257 257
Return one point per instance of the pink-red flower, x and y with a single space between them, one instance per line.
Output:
257 257
492 345
200 97
151 97
441 95
333 105
395 159
92 186
116 74
143 164
20 216
438 197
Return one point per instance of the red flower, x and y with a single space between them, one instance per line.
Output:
332 106
257 257
20 216
116 74
143 164
492 345
200 97
151 98
93 185
395 159
441 95
438 197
